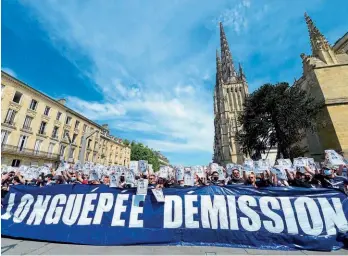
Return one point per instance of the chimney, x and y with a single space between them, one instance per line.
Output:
62 101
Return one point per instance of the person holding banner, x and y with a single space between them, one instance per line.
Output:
215 179
235 177
303 179
329 179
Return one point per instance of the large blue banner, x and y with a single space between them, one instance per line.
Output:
236 216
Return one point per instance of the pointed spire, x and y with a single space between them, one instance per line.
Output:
241 73
228 71
318 41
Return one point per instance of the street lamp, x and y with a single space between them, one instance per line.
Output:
84 144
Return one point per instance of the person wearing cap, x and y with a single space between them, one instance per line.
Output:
329 179
236 178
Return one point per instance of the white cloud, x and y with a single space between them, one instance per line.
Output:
184 89
9 71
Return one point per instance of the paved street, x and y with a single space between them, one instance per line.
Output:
23 247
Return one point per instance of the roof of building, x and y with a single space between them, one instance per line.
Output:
340 41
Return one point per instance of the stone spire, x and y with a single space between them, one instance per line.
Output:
320 46
228 71
318 41
241 73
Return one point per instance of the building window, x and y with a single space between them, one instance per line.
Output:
10 116
68 120
94 157
89 143
62 150
50 149
37 146
47 111
42 127
27 122
84 127
22 142
55 132
4 137
77 123
16 163
33 104
17 97
58 115
65 134
72 151
74 137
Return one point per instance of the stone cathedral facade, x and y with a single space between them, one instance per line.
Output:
325 77
230 91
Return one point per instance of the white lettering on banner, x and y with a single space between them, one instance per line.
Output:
232 210
190 211
9 207
168 221
105 203
136 209
243 203
88 206
277 224
119 209
276 214
40 207
54 211
333 217
302 216
214 210
23 208
289 215
72 209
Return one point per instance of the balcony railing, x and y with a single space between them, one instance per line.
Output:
28 152
26 129
9 124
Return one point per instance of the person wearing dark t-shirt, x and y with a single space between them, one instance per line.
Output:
329 179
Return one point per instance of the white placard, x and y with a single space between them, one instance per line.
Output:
130 178
230 167
188 179
133 165
333 158
163 172
300 162
150 168
93 175
179 173
142 166
199 171
261 165
142 186
114 180
158 193
284 162
279 171
221 173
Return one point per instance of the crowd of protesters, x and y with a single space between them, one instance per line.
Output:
333 177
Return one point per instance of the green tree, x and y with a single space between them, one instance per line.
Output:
276 115
126 142
141 152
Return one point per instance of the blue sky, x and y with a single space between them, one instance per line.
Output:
147 68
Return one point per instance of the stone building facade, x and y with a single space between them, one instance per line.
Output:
325 77
230 91
34 128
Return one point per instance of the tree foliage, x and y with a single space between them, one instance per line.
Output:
276 115
141 152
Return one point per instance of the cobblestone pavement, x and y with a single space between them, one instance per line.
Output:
23 247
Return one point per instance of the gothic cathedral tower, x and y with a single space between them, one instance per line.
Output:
230 91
